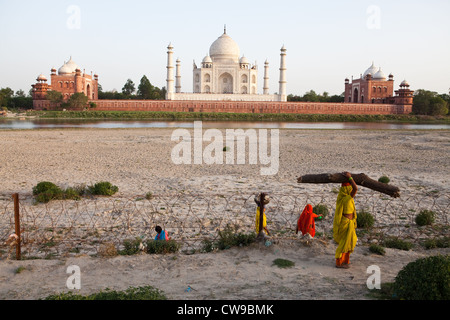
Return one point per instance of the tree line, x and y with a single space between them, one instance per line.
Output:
431 103
312 96
15 100
144 91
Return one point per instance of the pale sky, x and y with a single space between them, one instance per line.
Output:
326 41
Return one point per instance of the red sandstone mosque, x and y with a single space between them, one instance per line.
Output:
68 80
374 87
227 83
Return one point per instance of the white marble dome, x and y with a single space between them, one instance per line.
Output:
224 48
207 59
244 60
372 70
379 75
68 67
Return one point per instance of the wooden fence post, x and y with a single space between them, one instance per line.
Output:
261 215
17 225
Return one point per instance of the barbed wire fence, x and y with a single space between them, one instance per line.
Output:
64 227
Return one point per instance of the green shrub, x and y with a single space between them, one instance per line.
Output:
229 238
384 179
149 196
283 263
72 193
46 191
364 219
424 279
377 249
321 209
131 246
396 243
437 243
132 293
425 218
103 188
162 246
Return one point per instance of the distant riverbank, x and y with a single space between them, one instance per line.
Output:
209 116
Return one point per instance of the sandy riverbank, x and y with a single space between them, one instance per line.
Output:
139 161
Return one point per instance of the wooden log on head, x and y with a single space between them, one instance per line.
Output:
361 179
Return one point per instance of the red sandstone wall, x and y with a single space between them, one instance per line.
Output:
241 107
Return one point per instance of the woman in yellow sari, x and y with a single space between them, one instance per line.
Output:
344 223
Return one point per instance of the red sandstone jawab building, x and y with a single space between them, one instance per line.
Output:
68 80
375 88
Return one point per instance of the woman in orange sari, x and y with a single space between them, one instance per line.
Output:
344 223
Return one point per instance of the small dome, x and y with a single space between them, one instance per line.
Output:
244 60
207 59
224 48
41 78
404 84
372 70
379 75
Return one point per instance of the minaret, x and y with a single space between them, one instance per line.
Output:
282 91
178 77
170 79
266 78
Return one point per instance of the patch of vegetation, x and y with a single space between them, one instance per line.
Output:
377 249
162 246
424 279
386 292
149 196
20 269
131 246
321 209
103 188
228 238
384 179
364 219
397 243
134 246
46 191
443 242
283 263
225 116
132 293
425 218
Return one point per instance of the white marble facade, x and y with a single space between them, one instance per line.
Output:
224 75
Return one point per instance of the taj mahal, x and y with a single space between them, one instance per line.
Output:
224 75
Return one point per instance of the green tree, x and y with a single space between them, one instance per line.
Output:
147 91
429 103
5 95
55 97
145 88
129 88
311 96
20 93
77 101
